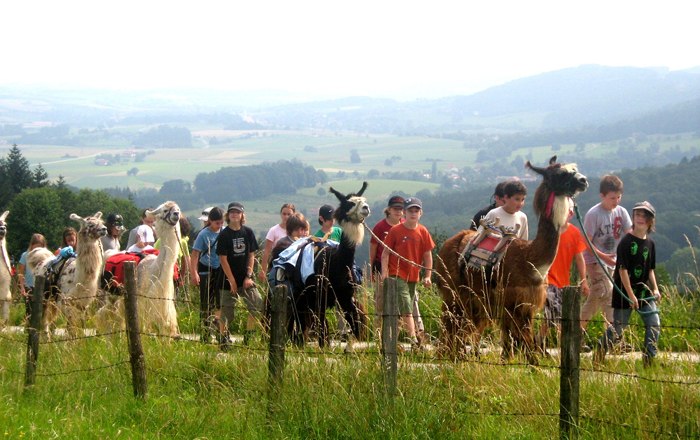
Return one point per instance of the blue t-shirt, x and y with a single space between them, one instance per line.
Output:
206 245
28 275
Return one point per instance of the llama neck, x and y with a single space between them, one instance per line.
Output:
89 261
5 257
167 251
543 248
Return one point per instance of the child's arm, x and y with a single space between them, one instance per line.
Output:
428 264
581 267
625 278
385 264
652 284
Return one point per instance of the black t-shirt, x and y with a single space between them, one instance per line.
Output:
638 257
479 215
235 246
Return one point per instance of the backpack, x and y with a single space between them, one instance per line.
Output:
113 274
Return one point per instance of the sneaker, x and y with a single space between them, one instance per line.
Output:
225 343
585 348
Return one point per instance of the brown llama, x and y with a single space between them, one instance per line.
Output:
516 289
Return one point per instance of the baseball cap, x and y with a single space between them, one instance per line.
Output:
645 206
205 214
411 202
235 206
115 219
396 201
326 211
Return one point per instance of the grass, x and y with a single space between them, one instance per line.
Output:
83 390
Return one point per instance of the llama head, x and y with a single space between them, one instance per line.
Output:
561 179
90 227
3 225
169 212
560 182
353 207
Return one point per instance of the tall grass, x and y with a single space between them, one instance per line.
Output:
83 390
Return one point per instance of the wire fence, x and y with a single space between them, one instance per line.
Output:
373 352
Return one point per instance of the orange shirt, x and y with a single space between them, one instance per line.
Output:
410 244
571 242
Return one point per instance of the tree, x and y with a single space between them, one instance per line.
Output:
355 156
40 177
16 175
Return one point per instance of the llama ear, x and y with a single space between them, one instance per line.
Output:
98 215
364 187
553 160
77 218
4 216
340 196
538 170
156 211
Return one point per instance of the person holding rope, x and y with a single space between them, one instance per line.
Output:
408 248
635 285
604 224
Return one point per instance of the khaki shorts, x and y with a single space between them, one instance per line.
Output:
406 293
600 298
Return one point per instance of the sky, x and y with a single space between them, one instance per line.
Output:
396 49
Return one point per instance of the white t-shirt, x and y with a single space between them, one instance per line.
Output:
510 220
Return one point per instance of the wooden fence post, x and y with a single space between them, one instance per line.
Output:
34 329
570 361
133 332
390 336
278 337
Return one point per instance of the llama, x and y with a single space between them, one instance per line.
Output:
78 281
333 280
517 287
155 273
5 273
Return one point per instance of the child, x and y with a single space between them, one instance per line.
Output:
273 234
205 268
497 201
570 249
605 224
328 229
510 214
236 249
412 242
636 281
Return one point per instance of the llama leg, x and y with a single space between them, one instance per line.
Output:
5 314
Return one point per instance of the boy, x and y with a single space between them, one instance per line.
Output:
636 287
570 249
605 224
497 201
510 214
412 242
236 249
328 229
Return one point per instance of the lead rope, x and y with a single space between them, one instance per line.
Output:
602 265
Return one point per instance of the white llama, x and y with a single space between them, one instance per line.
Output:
79 278
5 273
155 273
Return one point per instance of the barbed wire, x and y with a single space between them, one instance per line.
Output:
69 372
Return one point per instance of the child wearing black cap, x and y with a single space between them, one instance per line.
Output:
635 285
328 229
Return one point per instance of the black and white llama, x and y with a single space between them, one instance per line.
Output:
334 280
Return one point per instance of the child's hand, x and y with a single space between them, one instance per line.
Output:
634 302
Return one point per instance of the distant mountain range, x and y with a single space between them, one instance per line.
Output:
570 99
566 99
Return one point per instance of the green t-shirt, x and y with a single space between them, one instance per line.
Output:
336 232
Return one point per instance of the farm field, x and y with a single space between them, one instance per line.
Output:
329 151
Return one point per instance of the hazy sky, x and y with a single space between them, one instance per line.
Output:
400 49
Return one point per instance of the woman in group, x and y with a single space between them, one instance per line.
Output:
115 229
275 233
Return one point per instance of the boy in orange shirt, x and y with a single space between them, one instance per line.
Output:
413 244
570 249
